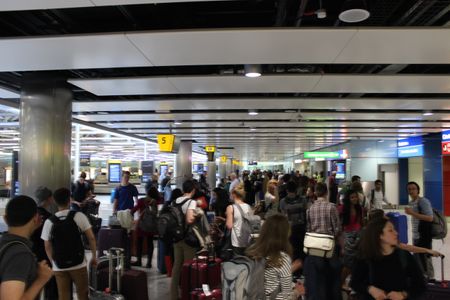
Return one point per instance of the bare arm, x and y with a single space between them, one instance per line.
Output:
190 217
115 204
415 249
416 215
92 244
48 249
230 220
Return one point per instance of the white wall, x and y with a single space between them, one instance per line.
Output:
391 182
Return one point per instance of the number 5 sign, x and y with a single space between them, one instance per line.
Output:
165 142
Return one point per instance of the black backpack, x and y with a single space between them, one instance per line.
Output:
295 210
67 245
171 223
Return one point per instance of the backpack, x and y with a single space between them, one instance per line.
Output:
295 210
171 223
148 221
67 245
250 224
243 279
439 225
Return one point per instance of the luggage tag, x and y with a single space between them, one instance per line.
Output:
206 290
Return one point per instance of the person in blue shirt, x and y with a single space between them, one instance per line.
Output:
126 194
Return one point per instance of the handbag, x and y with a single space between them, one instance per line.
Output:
317 244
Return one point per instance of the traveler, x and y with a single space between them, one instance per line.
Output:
377 197
234 182
183 251
149 202
294 208
125 194
382 271
80 191
21 276
64 246
235 217
271 199
166 188
421 212
45 202
333 187
221 203
282 185
322 275
352 222
273 245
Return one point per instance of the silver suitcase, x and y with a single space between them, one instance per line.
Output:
99 295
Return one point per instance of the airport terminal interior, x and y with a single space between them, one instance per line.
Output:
328 89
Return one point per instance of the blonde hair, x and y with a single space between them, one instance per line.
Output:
239 191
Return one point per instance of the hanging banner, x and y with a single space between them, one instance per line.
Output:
165 142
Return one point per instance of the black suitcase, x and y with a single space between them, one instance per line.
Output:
439 290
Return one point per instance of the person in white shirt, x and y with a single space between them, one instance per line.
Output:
376 196
77 272
234 182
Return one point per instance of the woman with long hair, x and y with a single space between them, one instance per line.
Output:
382 270
272 199
352 222
274 246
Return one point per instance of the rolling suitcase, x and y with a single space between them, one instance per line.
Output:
199 271
439 290
400 224
114 238
199 294
107 294
134 285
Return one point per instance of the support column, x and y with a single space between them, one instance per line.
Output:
222 170
45 129
212 174
76 168
184 163
229 166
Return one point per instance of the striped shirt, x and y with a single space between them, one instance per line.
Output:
279 278
323 217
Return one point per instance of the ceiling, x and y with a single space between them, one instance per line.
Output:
139 66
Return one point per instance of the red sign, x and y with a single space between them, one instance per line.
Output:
445 147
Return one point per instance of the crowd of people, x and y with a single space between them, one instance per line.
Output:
366 259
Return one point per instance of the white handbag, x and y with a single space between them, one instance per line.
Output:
318 244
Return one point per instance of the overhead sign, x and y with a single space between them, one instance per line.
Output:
319 154
223 159
210 149
446 136
411 151
252 163
165 142
343 153
85 160
412 141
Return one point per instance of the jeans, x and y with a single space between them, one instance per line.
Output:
182 252
322 278
64 281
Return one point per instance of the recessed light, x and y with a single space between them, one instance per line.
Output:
252 71
428 113
380 141
253 112
252 128
177 123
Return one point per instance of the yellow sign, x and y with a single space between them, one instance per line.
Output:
223 159
235 162
165 142
210 148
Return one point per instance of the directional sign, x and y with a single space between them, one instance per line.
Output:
319 154
165 142
223 159
210 148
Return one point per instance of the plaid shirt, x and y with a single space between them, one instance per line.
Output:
323 217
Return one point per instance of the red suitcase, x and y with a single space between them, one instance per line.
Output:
438 290
200 295
200 271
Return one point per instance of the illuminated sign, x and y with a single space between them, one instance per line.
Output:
445 147
412 141
165 142
210 148
411 151
321 155
223 159
446 135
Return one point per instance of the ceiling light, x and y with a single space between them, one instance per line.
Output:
380 141
252 128
376 129
177 123
162 111
252 71
253 112
428 113
354 11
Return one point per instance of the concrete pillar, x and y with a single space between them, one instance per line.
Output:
45 129
184 163
212 174
222 170
229 166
